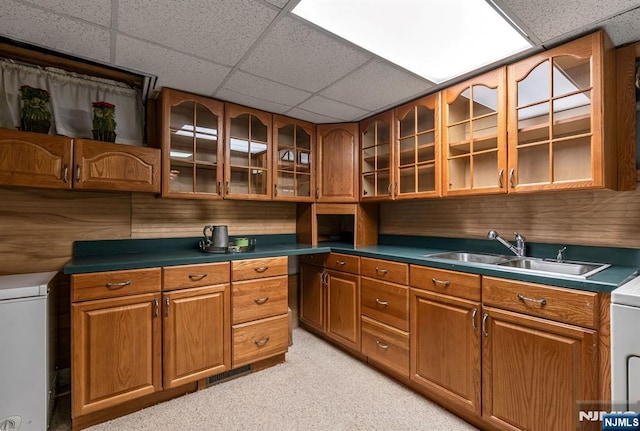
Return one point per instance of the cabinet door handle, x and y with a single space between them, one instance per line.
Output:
156 307
261 269
219 191
500 183
317 193
227 187
444 283
484 324
260 301
326 279
381 345
390 189
511 173
116 286
395 193
537 301
166 307
341 262
473 319
262 342
197 277
78 167
275 190
383 303
382 271
65 173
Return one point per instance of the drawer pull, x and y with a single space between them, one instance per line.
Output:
445 283
116 286
341 262
537 301
383 303
260 301
261 269
262 342
381 345
381 271
197 277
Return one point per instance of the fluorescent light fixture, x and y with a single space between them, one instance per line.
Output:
436 39
201 132
180 154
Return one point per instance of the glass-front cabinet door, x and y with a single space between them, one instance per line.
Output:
248 153
191 146
294 152
556 122
376 157
417 148
474 135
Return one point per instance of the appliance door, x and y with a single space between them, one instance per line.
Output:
625 357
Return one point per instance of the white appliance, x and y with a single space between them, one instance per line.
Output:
26 375
625 346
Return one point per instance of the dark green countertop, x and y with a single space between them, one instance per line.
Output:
111 255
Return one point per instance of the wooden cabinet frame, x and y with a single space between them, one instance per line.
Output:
338 164
386 192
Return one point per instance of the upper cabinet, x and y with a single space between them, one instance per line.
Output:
417 148
192 154
248 153
294 154
338 167
562 118
474 143
377 157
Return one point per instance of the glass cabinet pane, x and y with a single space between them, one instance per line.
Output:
407 180
206 148
181 145
304 162
369 136
286 159
533 164
427 178
181 178
536 86
293 176
206 179
240 127
182 115
460 173
572 115
303 185
286 136
369 184
383 156
239 152
258 178
286 184
484 170
460 109
258 130
533 123
407 151
425 119
376 158
258 153
303 139
572 160
383 183
570 74
407 125
369 159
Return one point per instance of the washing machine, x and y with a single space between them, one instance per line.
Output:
625 346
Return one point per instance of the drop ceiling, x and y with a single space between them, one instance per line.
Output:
257 53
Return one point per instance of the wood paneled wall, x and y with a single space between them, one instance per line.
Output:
600 218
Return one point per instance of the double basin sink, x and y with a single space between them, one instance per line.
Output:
549 267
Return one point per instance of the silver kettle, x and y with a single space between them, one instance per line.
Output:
219 237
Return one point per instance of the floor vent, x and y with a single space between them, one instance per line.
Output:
228 375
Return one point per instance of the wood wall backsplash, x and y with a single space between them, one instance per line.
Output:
599 218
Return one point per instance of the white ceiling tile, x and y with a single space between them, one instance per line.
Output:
330 108
302 57
312 117
219 30
279 3
21 22
254 102
173 69
624 28
376 85
96 11
260 88
549 19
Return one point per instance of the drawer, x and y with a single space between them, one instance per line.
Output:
313 259
184 276
386 346
386 302
452 283
343 262
394 272
111 284
259 340
259 268
556 303
257 299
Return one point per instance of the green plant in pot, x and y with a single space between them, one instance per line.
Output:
104 121
35 109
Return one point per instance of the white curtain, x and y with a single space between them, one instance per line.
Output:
70 102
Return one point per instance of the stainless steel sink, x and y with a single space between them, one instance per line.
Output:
581 269
463 256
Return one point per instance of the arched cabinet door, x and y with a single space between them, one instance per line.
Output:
338 167
377 174
474 139
294 153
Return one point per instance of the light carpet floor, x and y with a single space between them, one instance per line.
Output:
319 387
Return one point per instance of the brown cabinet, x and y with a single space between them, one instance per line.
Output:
294 143
312 286
248 153
116 346
377 157
562 118
192 151
417 147
39 160
474 135
338 168
196 322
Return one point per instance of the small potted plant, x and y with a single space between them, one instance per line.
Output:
35 109
104 121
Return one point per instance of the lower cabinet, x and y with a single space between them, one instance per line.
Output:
312 285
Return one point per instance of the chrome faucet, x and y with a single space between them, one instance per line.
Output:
518 250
